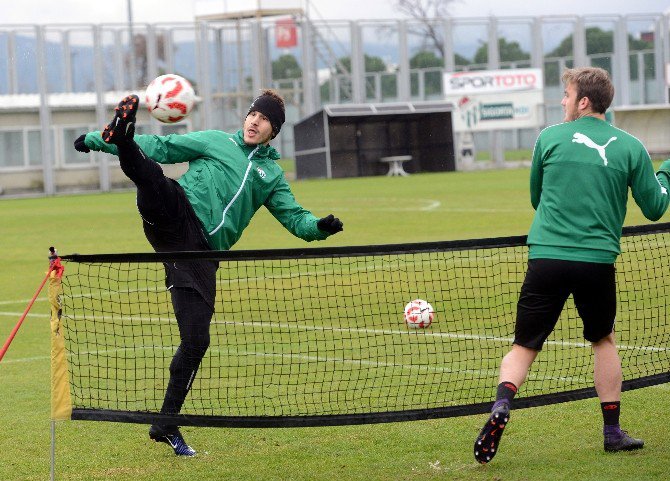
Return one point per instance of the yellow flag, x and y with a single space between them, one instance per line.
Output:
61 403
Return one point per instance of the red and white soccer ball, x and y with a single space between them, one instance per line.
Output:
419 314
170 98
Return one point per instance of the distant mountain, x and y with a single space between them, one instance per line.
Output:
82 64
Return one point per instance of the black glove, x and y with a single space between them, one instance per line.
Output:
330 224
80 145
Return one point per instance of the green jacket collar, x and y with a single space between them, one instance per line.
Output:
264 151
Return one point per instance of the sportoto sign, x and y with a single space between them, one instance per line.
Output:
496 99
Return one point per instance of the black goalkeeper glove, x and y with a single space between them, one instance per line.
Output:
80 145
330 224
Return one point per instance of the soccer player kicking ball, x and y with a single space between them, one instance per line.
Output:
579 180
230 176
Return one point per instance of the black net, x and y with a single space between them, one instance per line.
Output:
317 336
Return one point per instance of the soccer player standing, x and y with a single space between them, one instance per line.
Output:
580 176
230 176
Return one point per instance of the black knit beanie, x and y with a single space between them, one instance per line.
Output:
272 109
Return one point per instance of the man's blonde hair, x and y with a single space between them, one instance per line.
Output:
593 83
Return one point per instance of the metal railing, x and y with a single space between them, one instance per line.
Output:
338 62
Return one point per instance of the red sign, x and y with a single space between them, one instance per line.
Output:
286 33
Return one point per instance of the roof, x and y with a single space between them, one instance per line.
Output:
338 110
249 14
632 108
60 101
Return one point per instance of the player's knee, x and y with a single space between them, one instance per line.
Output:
201 347
196 347
607 340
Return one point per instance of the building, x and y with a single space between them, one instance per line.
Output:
57 81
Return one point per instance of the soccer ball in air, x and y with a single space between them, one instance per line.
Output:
419 314
169 98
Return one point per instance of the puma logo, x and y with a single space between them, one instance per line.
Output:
583 139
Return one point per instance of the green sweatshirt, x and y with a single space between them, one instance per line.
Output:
226 182
579 182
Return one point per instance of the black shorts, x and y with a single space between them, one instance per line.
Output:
179 229
548 284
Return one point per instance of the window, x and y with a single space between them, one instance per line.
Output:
33 143
11 148
35 147
71 156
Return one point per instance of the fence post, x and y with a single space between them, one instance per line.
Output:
100 107
45 114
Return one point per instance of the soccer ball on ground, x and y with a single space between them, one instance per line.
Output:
169 98
419 314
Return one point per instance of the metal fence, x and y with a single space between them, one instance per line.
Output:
57 80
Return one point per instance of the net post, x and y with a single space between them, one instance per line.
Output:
52 476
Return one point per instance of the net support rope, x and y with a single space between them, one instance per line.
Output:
315 337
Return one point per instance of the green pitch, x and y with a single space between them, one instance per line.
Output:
555 442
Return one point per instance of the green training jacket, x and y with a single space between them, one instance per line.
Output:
579 182
226 182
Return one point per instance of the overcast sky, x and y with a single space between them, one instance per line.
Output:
151 11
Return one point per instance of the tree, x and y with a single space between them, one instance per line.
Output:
432 80
426 11
425 59
598 41
372 64
460 60
509 52
140 70
286 67
634 46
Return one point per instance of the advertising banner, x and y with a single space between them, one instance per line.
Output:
496 99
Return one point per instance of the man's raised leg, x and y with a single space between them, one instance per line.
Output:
156 194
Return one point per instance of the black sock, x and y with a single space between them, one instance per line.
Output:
505 394
611 411
506 391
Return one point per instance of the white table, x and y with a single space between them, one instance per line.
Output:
395 164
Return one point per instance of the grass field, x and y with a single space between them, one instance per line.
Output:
547 443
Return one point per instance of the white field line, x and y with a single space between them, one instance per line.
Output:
477 337
22 301
390 204
357 362
332 360
17 315
411 367
304 327
367 267
434 204
313 273
363 330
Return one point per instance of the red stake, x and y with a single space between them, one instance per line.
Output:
25 313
